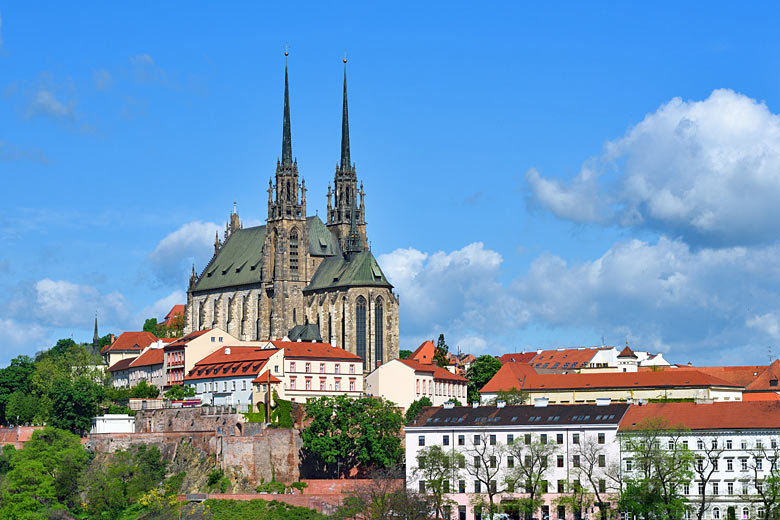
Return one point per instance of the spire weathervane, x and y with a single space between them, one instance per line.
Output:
286 139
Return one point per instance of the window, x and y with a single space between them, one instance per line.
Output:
308 384
462 487
492 440
759 463
714 444
510 439
294 254
685 444
760 512
714 464
445 440
560 461
670 444
351 369
492 461
243 384
602 438
461 440
744 488
422 486
224 386
743 443
700 464
701 488
527 438
492 486
292 366
714 488
774 443
292 384
322 368
759 444
716 513
276 369
421 440
602 486
476 440
686 489
510 461
544 438
730 488
379 350
559 438
576 461
338 385
629 464
352 386
308 367
728 444
575 438
322 384
477 486
213 339
561 486
729 464
220 339
745 513
700 444
360 327
337 368
602 461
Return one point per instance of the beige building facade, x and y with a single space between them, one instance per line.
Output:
404 381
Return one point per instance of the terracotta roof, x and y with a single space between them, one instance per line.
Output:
490 416
424 353
740 375
122 364
177 310
760 396
437 371
565 358
131 341
153 356
302 350
511 375
767 380
266 377
182 342
518 357
241 362
714 416
627 352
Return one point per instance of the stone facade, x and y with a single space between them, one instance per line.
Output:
258 285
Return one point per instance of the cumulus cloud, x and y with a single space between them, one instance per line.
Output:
19 338
60 303
708 171
161 307
46 103
173 256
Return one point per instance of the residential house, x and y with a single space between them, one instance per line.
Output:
586 359
403 381
120 372
149 367
127 345
181 355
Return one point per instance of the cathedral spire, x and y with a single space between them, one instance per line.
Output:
354 243
345 159
95 337
286 139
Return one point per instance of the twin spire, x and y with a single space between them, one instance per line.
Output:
287 156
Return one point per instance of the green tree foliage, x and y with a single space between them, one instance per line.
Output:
440 353
74 402
16 377
150 325
414 409
44 475
259 510
346 433
479 373
21 408
654 489
177 392
511 397
438 468
144 390
404 354
113 484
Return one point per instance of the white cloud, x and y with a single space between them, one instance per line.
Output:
60 303
161 307
102 79
174 255
708 171
19 338
768 323
46 103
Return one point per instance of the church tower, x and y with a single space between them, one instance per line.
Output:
285 252
345 190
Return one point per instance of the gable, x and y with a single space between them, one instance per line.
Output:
239 261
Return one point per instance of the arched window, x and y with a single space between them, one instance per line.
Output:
230 313
196 317
379 347
295 318
214 316
289 192
716 513
343 323
330 327
745 513
760 512
360 328
294 252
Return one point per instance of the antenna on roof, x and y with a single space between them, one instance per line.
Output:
769 352
602 341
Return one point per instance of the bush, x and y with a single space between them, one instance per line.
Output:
259 510
416 407
281 415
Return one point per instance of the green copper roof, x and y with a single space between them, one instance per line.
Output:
308 332
239 262
321 240
357 270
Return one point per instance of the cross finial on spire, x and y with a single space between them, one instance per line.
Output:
345 159
286 139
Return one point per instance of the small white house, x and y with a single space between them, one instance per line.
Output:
113 423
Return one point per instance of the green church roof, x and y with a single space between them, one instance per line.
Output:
321 240
358 269
239 261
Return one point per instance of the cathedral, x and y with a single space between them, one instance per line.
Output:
296 276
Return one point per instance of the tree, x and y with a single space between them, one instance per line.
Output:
511 397
531 458
21 407
150 325
575 498
479 373
440 353
437 468
178 392
345 433
404 354
74 403
705 465
414 409
144 390
486 456
591 471
766 485
15 378
662 466
381 497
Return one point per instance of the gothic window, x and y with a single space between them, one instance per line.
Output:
274 244
360 327
378 332
294 252
289 196
330 327
214 316
230 313
343 323
295 319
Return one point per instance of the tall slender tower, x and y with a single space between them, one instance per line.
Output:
345 189
95 337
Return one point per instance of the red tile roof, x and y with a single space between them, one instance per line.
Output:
767 380
153 356
512 374
565 358
740 375
131 341
424 353
177 310
182 342
760 396
305 349
437 371
627 352
122 364
266 377
714 416
518 357
242 361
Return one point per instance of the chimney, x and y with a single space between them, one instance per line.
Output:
113 338
501 403
449 405
227 351
541 402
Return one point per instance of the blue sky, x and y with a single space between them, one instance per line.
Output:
535 176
